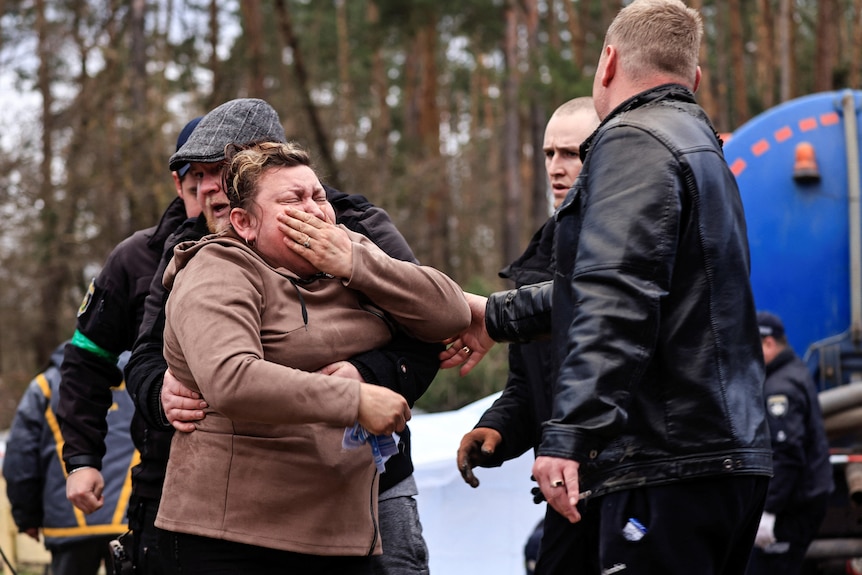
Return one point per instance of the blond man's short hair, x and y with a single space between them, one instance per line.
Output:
657 36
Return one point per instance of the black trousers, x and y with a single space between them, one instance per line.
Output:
703 526
559 552
144 551
194 555
82 557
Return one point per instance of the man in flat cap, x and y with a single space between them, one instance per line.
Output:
406 365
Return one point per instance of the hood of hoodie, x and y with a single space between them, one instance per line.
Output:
185 251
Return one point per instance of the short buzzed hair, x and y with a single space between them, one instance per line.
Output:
575 105
657 36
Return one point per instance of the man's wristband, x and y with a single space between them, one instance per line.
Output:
80 468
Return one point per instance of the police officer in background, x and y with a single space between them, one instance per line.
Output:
802 481
36 483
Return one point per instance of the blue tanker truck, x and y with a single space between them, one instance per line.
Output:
797 166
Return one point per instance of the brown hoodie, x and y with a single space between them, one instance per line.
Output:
265 466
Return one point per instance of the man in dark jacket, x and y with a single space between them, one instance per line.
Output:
107 325
802 474
406 365
36 483
513 424
658 416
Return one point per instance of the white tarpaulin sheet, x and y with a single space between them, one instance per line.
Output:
470 531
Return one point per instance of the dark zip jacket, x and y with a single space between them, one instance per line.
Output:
107 325
526 400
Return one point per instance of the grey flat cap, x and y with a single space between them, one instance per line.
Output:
235 122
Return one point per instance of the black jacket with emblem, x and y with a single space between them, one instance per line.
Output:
801 468
660 372
107 325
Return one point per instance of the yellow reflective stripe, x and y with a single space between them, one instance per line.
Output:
42 381
54 426
126 491
51 419
117 524
86 530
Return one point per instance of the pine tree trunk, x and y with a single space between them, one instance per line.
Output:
253 35
346 120
855 56
737 63
766 53
539 182
826 49
709 81
438 199
51 276
576 29
786 58
382 123
512 211
215 97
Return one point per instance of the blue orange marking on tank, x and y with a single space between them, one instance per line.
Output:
807 124
783 134
829 119
760 147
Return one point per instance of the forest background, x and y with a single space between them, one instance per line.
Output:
433 109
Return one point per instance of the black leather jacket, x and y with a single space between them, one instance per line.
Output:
660 368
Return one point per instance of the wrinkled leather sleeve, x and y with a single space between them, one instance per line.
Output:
520 315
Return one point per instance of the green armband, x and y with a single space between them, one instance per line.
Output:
85 343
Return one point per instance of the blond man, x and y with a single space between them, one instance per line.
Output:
658 441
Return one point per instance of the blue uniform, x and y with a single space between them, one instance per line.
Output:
802 474
36 480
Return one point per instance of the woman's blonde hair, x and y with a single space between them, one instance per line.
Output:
247 163
657 36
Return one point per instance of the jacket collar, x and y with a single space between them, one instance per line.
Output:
784 357
676 92
174 215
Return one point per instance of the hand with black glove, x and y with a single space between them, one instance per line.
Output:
476 449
